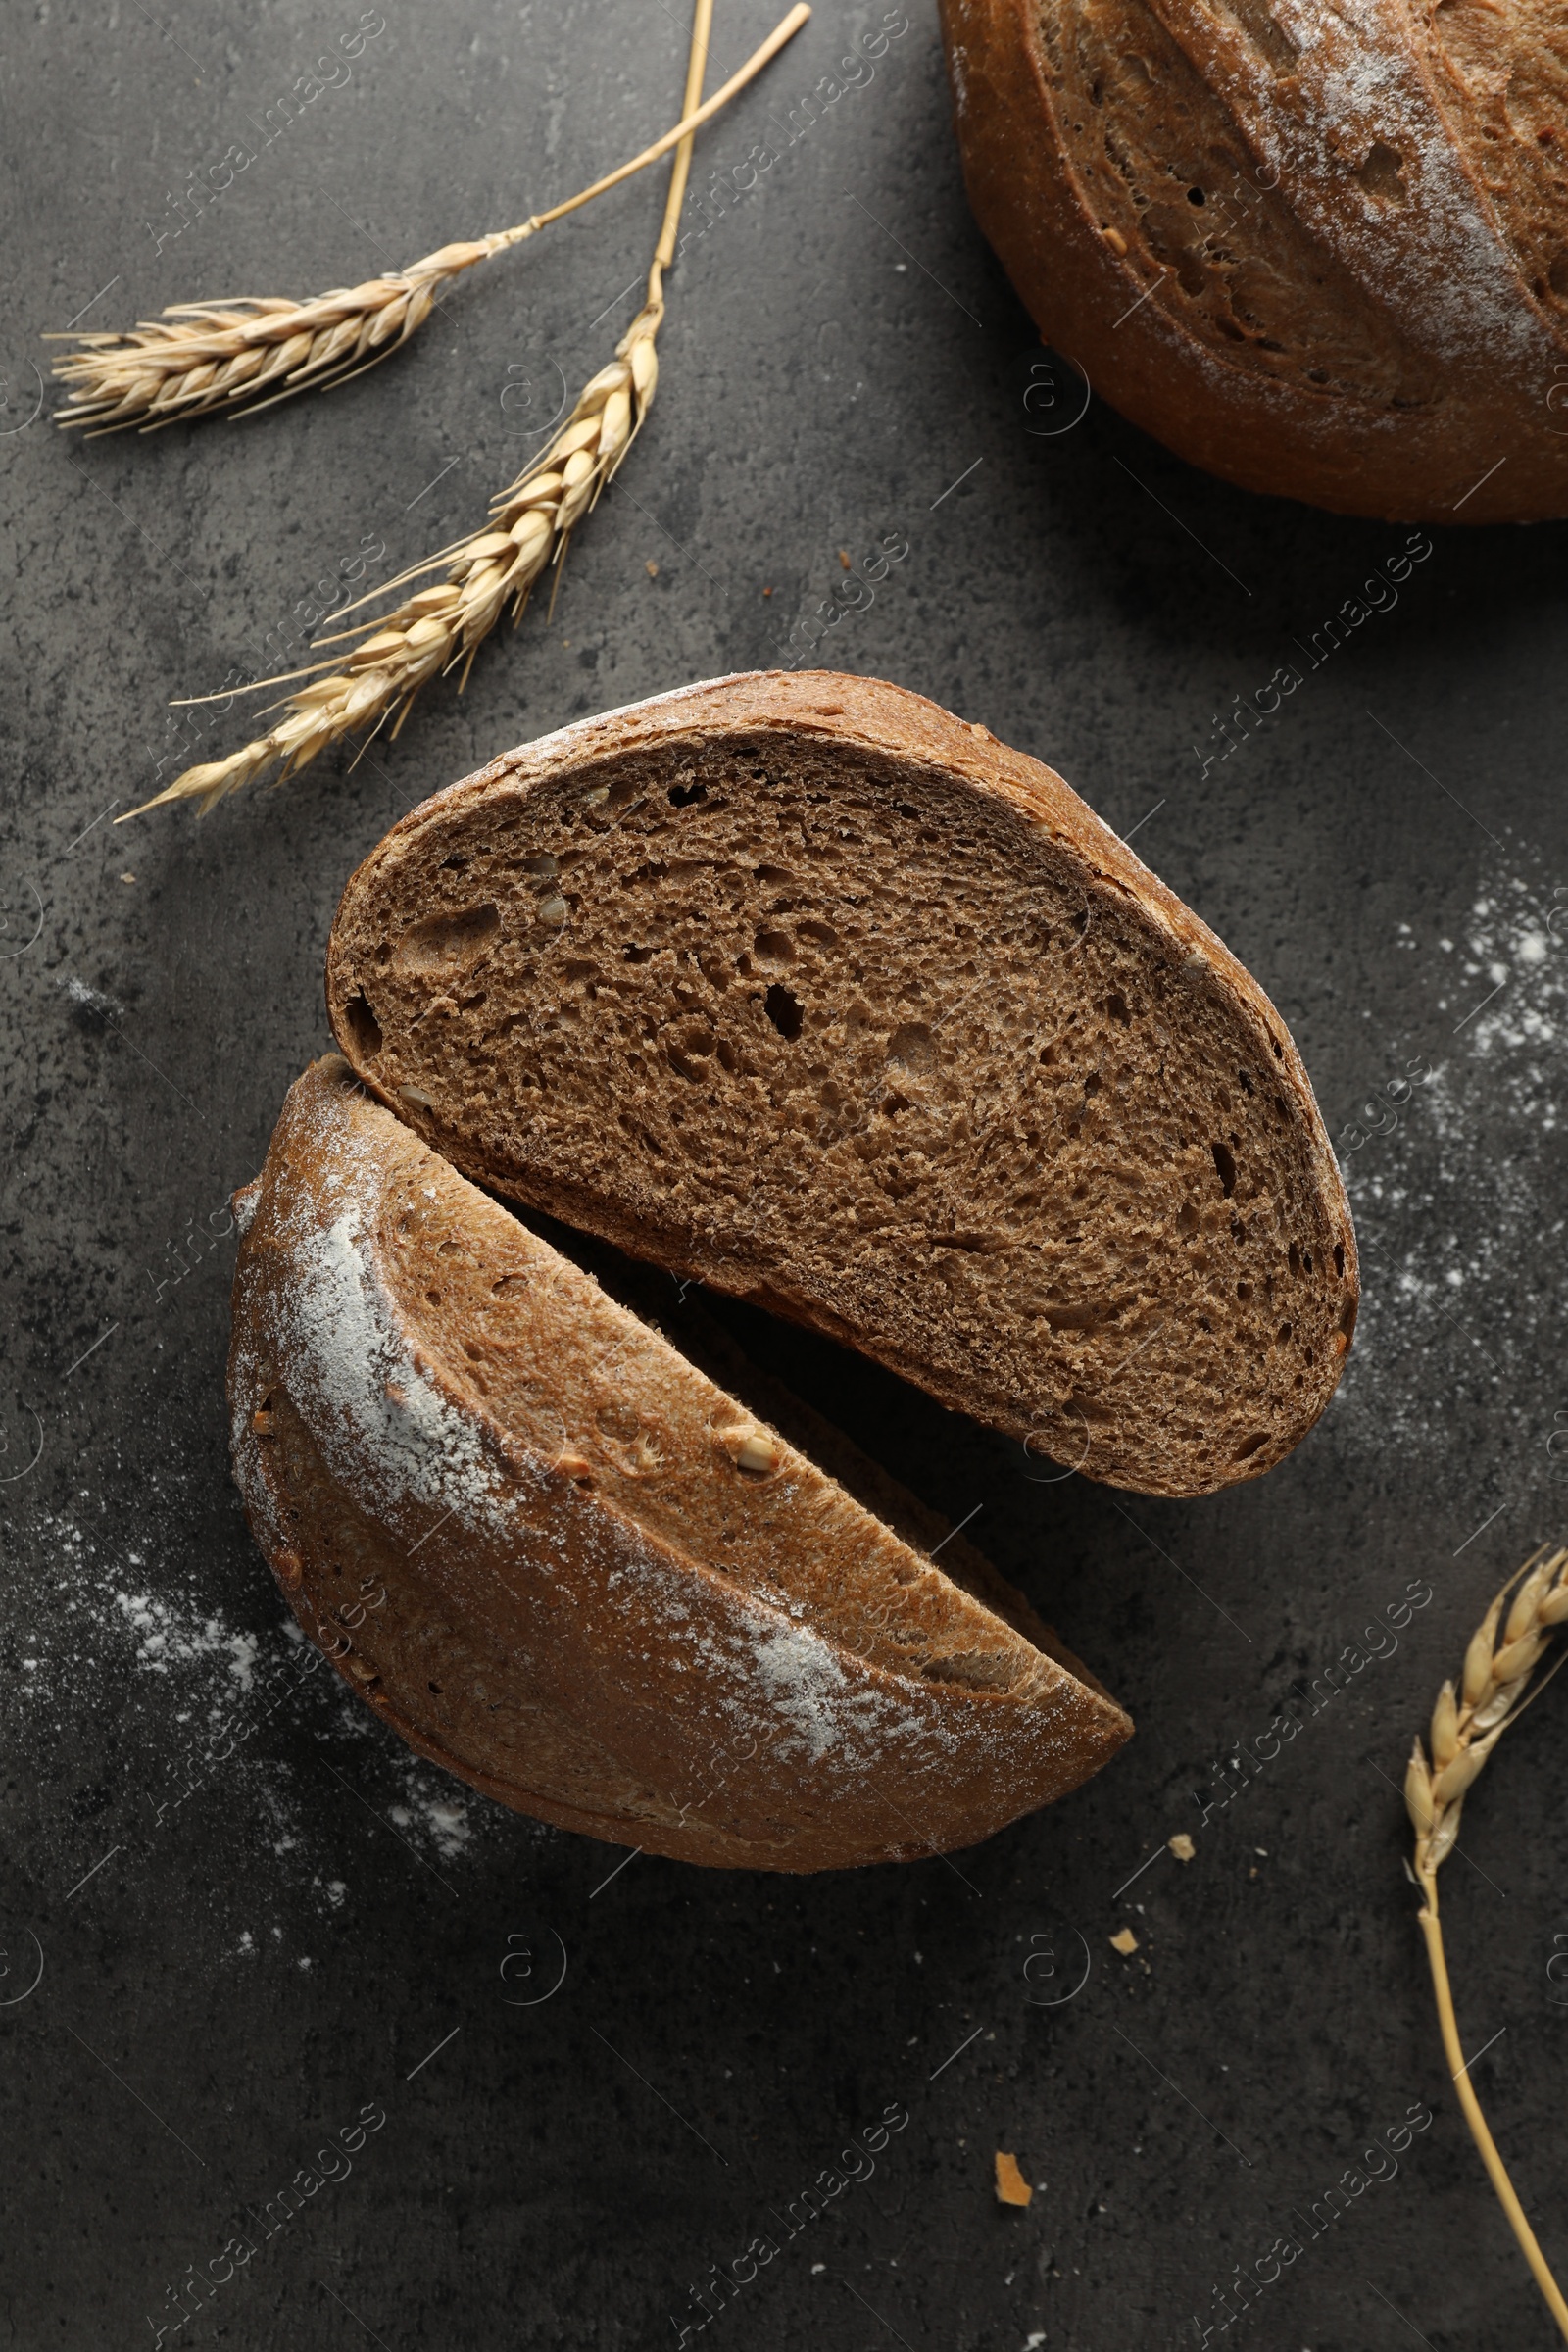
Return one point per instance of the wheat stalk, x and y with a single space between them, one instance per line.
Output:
428 632
1501 1678
241 356
529 529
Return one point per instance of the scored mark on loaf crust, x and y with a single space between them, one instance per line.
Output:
802 987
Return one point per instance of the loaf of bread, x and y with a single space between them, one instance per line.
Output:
804 987
569 1566
1322 251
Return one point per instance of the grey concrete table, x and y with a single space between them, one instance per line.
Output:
277 1953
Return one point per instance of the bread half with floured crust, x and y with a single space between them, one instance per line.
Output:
567 1566
800 985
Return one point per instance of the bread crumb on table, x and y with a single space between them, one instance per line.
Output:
1182 1846
1125 1943
1012 2187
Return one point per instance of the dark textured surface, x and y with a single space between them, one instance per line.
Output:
256 1913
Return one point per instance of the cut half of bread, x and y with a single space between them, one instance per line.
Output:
569 1566
800 985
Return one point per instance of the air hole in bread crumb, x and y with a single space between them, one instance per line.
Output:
774 946
1249 1445
1187 1217
364 1027
442 941
784 1012
1225 1162
681 795
1339 1259
1293 1261
910 1047
1118 1008
1381 173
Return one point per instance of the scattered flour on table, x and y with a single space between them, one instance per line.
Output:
1458 1210
228 1701
164 1639
437 1810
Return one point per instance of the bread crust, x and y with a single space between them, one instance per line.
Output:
1417 285
491 1496
871 718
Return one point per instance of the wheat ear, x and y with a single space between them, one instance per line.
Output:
202 359
530 526
1501 1678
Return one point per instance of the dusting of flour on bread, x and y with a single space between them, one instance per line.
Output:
365 1400
804 1683
376 1415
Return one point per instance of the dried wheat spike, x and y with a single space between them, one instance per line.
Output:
1499 1680
529 527
531 523
244 355
1467 1722
238 357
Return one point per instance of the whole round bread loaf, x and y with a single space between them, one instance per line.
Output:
1321 251
568 1565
